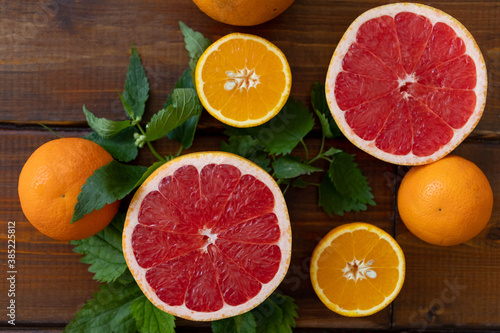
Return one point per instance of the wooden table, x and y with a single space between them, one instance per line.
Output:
57 55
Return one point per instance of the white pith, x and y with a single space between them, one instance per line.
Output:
211 238
199 160
410 78
359 270
243 79
435 16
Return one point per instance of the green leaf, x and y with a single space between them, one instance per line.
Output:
332 151
289 309
348 179
320 106
122 146
184 81
128 108
136 88
249 148
109 183
150 319
325 126
281 134
104 127
286 167
235 131
109 310
276 314
244 323
184 134
103 251
196 44
344 188
299 183
150 170
184 106
333 202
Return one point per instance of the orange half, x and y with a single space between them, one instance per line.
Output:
243 80
357 269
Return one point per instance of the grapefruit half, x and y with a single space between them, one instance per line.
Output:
407 83
207 236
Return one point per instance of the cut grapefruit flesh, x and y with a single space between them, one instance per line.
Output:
207 236
407 83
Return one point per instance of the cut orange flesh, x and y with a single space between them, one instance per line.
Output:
357 269
243 80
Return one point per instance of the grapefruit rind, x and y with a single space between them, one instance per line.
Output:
217 113
328 239
435 16
199 160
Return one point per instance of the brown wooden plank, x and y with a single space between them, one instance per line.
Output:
59 55
454 287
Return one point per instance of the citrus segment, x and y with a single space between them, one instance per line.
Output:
357 269
207 236
164 245
243 80
407 83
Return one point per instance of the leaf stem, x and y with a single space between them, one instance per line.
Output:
155 153
51 130
181 148
150 146
305 148
286 188
321 148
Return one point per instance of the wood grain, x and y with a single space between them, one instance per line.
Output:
58 55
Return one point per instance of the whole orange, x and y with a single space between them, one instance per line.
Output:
50 182
243 12
447 202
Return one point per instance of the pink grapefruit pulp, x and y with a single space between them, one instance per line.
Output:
407 83
207 236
